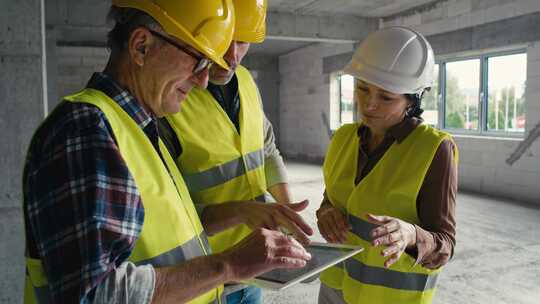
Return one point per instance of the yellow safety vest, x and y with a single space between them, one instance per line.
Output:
171 232
217 163
391 188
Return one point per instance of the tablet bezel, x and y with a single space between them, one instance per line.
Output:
277 286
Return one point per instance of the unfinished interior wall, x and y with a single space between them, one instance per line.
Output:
449 15
265 72
23 104
305 100
75 66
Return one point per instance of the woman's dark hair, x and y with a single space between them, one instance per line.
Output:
126 20
415 109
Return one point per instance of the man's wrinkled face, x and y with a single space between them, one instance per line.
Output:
167 76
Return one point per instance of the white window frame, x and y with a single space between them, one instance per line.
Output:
483 93
335 92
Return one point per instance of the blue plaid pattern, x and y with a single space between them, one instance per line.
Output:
82 209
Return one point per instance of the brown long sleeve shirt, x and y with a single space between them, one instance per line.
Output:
436 201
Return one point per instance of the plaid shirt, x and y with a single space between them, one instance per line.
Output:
82 209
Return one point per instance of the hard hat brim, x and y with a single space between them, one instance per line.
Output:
174 28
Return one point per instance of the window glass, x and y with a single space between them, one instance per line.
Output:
430 102
462 94
506 93
334 101
346 99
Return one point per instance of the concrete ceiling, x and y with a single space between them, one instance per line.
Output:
359 8
291 24
327 10
277 47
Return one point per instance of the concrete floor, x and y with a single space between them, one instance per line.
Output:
497 258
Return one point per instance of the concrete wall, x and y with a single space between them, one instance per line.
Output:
450 15
22 100
72 28
304 99
74 67
265 71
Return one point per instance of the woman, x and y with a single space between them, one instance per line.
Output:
390 180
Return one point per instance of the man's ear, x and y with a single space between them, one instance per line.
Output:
138 45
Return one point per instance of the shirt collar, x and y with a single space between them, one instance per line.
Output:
397 132
218 93
107 85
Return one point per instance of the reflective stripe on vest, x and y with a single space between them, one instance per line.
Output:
218 162
171 232
187 251
223 173
384 277
42 297
389 189
389 278
381 276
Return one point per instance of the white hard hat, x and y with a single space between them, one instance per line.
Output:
397 59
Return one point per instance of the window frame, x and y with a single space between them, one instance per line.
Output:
483 93
337 98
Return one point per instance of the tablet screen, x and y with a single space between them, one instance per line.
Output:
320 256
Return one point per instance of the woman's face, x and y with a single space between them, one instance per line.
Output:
378 108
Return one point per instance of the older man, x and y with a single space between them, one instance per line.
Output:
108 216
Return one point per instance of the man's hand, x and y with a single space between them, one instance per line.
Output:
262 251
332 224
259 252
395 234
274 216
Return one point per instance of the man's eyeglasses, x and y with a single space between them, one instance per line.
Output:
202 62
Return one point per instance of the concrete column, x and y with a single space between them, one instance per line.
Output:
23 102
266 74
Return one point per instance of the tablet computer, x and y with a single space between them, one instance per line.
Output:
323 255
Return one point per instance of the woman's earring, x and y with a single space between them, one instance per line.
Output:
408 111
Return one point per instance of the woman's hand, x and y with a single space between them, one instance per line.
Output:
395 234
332 224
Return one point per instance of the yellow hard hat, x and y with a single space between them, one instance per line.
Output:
250 20
205 25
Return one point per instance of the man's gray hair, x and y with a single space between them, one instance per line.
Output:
126 20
